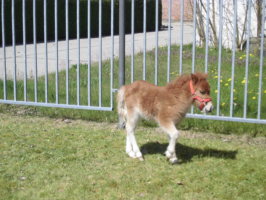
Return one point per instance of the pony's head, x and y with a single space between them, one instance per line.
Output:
200 90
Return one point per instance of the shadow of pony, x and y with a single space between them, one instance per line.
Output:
186 153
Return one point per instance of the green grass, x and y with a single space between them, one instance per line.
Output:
201 125
44 158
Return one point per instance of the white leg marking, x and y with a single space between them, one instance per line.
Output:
128 145
173 135
132 148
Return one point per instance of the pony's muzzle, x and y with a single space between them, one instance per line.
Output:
208 107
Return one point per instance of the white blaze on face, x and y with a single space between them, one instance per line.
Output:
208 107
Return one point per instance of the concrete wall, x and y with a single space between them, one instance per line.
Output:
176 6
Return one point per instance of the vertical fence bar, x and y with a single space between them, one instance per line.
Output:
56 49
247 59
35 53
156 42
67 54
112 54
261 57
89 52
121 43
194 42
100 53
3 47
181 36
132 38
233 58
207 36
169 39
144 38
46 52
25 49
194 36
14 52
78 56
220 54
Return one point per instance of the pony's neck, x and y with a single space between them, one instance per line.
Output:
180 89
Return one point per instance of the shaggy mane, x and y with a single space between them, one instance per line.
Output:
183 79
178 82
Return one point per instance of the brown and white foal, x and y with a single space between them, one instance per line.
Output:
166 105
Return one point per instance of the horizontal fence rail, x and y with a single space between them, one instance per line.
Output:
159 41
59 88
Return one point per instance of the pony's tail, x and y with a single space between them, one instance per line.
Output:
121 108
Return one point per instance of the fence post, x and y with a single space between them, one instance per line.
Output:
121 42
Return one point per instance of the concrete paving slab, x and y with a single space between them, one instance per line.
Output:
73 51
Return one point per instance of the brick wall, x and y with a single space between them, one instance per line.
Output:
188 11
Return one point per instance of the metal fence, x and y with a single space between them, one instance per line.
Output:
11 86
55 65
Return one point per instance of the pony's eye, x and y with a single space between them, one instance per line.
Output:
203 92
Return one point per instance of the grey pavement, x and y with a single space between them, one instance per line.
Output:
73 51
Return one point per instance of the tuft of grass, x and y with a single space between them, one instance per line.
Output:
44 158
193 124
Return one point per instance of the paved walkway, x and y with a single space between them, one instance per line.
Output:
73 51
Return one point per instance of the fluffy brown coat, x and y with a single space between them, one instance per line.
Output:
166 105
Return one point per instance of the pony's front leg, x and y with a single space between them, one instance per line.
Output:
132 148
173 133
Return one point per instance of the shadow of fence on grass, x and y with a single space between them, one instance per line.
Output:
186 153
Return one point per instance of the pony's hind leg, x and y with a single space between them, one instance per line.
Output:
121 122
121 108
173 133
132 148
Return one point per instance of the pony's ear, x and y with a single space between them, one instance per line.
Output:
194 78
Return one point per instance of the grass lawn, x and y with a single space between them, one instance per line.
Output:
188 124
45 158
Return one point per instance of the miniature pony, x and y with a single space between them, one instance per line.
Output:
166 105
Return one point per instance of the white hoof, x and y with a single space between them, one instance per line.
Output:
138 155
132 154
128 150
173 160
171 156
168 154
